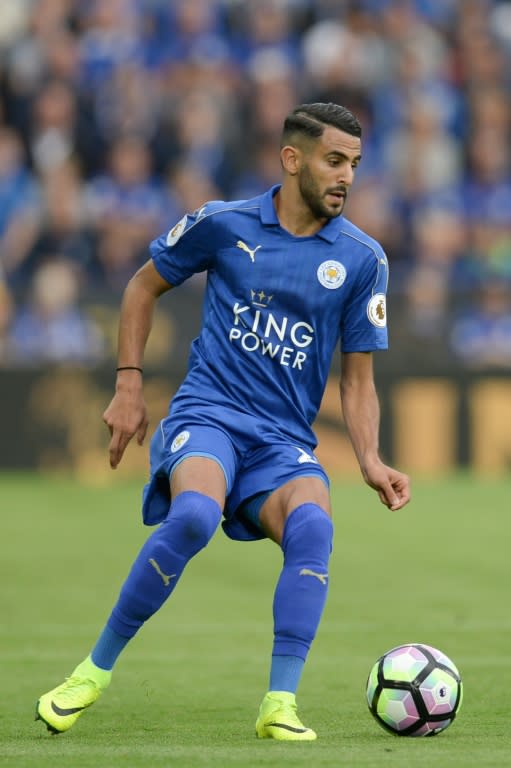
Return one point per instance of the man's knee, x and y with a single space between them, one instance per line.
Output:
308 534
282 504
192 521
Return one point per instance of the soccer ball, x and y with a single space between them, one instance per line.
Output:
414 690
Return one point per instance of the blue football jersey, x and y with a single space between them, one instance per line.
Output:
275 308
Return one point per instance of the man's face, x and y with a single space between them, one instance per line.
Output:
327 171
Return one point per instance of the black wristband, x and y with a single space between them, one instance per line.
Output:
130 368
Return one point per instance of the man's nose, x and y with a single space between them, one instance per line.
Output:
346 174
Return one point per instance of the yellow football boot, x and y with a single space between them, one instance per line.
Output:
278 719
61 707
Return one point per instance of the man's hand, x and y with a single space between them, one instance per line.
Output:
393 487
125 416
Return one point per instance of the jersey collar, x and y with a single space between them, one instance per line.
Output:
330 232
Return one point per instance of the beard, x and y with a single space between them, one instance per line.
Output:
314 198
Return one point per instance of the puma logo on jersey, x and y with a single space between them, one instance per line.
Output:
166 579
322 577
251 251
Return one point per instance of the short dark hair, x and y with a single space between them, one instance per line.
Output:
310 121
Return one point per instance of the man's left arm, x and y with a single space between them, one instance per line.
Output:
361 412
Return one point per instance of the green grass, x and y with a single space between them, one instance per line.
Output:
187 689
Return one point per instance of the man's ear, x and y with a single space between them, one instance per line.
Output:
291 158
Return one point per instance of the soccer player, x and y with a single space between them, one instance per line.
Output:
288 277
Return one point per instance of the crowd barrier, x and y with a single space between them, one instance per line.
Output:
51 420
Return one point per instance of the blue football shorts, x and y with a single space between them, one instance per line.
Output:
255 461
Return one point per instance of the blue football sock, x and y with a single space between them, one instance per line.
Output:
302 588
190 524
285 673
108 647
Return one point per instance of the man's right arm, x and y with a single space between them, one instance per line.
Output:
127 413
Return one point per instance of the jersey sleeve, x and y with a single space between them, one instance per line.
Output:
364 323
187 248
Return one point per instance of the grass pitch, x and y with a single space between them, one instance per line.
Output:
187 689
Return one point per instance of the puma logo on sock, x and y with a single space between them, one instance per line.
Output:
166 579
321 576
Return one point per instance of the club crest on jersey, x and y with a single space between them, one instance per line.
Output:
377 310
179 441
331 274
176 231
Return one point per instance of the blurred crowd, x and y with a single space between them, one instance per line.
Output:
118 117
